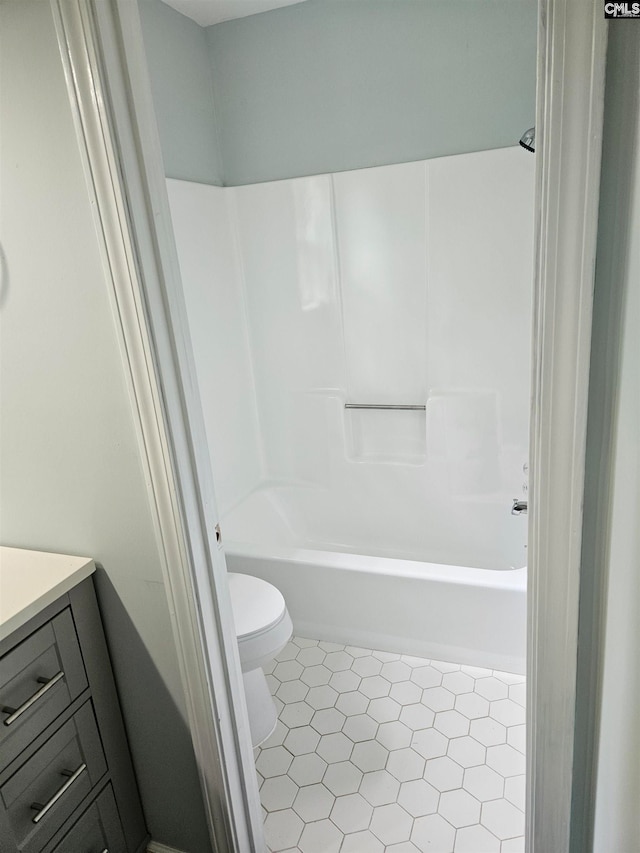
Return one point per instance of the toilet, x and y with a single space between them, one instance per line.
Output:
263 628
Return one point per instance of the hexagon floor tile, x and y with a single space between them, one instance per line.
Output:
377 752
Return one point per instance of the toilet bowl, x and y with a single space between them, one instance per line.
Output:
263 628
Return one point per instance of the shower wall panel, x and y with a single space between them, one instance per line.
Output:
287 246
210 271
382 234
405 284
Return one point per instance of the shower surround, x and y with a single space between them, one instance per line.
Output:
399 285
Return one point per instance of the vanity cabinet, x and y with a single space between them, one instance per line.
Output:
66 777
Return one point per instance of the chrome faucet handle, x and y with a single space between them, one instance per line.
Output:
519 507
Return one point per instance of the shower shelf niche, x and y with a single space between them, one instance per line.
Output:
391 436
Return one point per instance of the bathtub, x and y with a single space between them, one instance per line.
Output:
474 616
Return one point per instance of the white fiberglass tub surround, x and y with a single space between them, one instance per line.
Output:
401 285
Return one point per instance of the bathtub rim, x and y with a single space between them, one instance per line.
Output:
506 579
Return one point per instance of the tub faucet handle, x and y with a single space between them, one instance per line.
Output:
518 507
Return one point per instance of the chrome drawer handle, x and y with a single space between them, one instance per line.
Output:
47 684
43 809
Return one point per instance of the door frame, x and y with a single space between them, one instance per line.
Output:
110 94
105 69
572 40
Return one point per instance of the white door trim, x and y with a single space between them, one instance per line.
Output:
106 73
100 43
571 72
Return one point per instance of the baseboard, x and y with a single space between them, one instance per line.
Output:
410 646
156 847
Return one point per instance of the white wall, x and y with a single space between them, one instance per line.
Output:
402 284
617 816
70 475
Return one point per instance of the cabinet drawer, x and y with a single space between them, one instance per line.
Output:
38 679
45 790
98 830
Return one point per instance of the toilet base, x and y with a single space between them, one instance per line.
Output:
263 715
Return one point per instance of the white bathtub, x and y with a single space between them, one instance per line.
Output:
474 616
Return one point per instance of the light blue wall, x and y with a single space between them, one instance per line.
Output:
180 75
328 85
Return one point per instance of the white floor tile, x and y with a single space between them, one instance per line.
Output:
362 842
507 712
351 813
418 798
451 724
443 773
391 824
513 845
476 839
283 829
379 788
321 837
335 747
514 791
278 793
405 765
314 802
517 737
384 710
438 699
505 760
502 818
483 783
307 769
459 808
376 752
327 721
301 740
417 716
343 778
360 727
429 743
369 755
394 735
433 833
321 697
466 751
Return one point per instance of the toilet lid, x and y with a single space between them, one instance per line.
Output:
256 604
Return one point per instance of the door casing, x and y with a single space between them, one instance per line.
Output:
107 79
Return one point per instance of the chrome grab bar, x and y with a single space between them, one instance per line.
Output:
386 407
43 809
47 684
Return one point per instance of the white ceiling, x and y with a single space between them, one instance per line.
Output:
208 12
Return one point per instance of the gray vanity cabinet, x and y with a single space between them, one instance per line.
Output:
66 778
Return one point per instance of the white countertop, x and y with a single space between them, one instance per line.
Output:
31 580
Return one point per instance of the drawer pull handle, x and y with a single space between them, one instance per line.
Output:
47 684
43 809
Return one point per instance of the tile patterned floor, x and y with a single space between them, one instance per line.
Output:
384 753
